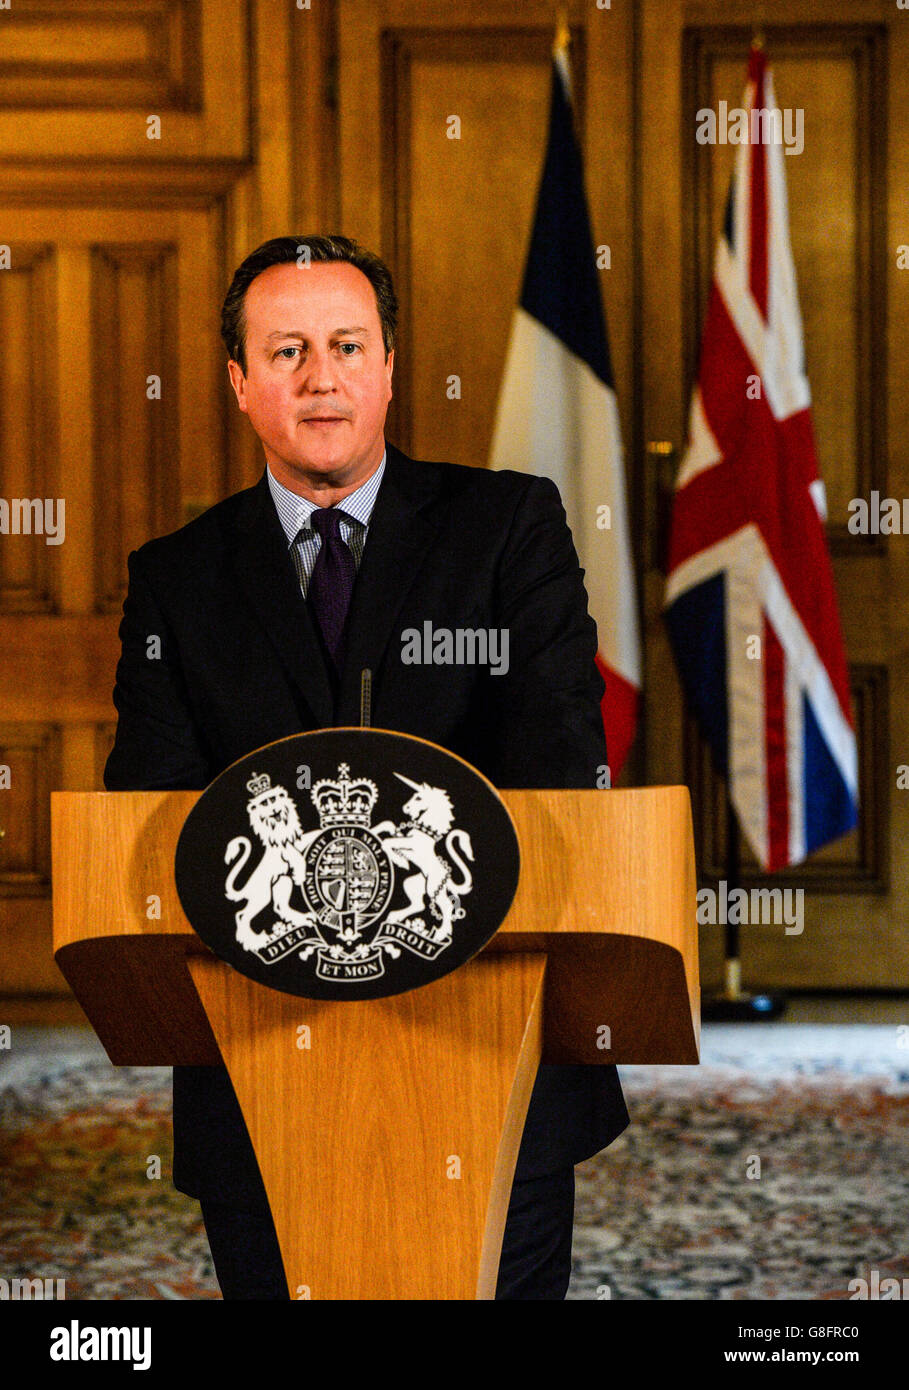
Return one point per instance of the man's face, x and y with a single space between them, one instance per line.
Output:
317 384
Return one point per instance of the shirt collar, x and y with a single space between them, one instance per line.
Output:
294 511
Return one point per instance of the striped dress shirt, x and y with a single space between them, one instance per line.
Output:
303 540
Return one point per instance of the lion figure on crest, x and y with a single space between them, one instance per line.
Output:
274 819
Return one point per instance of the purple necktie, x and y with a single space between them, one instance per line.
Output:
332 580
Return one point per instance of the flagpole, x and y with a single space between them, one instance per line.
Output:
563 33
733 963
734 1005
561 46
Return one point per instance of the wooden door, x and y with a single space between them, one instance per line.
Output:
147 147
847 69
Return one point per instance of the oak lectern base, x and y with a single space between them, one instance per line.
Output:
401 1188
387 1131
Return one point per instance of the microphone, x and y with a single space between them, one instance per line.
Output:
365 698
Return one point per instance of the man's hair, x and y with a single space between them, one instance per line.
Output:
299 250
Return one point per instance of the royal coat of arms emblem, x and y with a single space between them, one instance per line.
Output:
345 871
391 865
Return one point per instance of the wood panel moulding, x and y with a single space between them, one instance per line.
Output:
80 80
98 54
73 183
28 438
58 667
31 751
136 493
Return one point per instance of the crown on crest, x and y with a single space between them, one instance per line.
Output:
259 782
347 801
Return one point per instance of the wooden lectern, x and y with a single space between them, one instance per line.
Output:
387 1130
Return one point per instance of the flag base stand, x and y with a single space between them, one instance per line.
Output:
737 1006
747 1008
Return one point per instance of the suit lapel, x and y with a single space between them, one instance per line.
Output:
399 537
265 571
397 541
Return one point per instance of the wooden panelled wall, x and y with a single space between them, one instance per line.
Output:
147 145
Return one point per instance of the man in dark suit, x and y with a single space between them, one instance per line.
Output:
268 608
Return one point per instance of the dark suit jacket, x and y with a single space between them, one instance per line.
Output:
241 666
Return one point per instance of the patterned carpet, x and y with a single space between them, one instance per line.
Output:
818 1116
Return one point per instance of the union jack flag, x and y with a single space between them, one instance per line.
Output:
750 602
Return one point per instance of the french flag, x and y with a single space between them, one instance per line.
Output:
751 606
557 414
